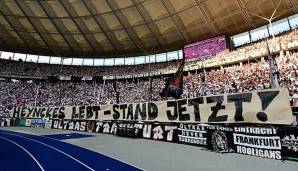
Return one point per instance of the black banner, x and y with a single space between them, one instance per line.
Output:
161 132
69 125
289 142
155 131
220 138
254 141
192 134
257 141
158 131
105 127
270 142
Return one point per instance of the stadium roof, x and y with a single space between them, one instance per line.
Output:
117 28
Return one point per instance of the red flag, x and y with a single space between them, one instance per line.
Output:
18 100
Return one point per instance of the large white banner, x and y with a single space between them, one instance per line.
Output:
267 106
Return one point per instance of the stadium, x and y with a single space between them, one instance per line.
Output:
155 85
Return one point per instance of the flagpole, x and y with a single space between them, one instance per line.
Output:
150 81
115 89
35 100
182 64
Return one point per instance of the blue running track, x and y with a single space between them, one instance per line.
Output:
21 151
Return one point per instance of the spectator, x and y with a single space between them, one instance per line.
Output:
295 106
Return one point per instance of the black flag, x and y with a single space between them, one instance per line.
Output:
174 85
115 89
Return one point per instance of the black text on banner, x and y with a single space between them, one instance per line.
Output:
264 107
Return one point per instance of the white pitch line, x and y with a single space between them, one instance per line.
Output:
39 165
96 152
81 147
88 167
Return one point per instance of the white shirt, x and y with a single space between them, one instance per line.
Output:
294 122
295 100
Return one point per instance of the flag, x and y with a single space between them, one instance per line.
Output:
274 73
174 86
18 100
115 90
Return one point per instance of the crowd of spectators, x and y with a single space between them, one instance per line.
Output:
205 48
281 42
239 77
285 41
231 79
28 69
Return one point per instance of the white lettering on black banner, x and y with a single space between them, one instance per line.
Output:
192 134
257 141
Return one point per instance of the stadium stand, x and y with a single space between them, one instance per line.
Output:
85 85
232 77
